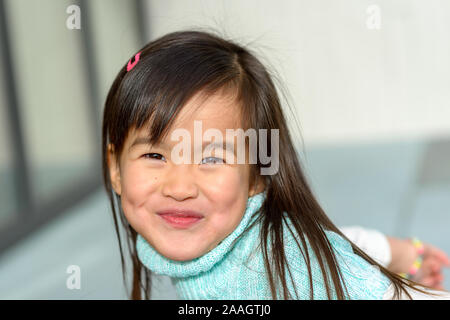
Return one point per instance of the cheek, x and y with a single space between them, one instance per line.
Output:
138 186
226 183
228 193
138 182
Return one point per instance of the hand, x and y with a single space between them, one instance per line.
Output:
430 273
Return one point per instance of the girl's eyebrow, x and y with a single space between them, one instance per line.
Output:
139 141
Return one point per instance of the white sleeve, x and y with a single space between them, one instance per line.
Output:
415 295
371 241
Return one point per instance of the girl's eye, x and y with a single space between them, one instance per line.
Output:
212 160
155 156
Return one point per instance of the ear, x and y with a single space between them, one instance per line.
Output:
114 171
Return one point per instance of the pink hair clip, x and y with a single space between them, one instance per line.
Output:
136 59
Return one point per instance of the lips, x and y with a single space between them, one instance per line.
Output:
180 219
180 213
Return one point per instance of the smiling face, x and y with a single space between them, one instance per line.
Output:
149 181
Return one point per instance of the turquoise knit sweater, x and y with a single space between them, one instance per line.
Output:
237 271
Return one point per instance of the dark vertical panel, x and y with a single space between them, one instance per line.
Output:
91 78
20 169
141 20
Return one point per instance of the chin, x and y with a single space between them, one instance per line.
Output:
181 255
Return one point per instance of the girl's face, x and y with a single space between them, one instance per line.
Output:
149 182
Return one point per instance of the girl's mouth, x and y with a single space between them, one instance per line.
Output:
180 219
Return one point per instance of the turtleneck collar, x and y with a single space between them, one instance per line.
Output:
159 264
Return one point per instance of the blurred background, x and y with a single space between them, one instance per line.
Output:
369 82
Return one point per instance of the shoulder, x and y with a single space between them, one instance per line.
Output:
363 280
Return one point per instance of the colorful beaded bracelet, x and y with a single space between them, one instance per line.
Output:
418 262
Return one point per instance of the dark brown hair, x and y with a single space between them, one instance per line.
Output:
171 70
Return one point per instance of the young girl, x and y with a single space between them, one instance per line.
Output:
220 228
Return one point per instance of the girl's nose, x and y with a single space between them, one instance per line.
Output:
180 183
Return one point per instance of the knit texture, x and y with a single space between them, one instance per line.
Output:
236 270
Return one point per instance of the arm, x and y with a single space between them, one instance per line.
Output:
398 255
372 242
403 253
